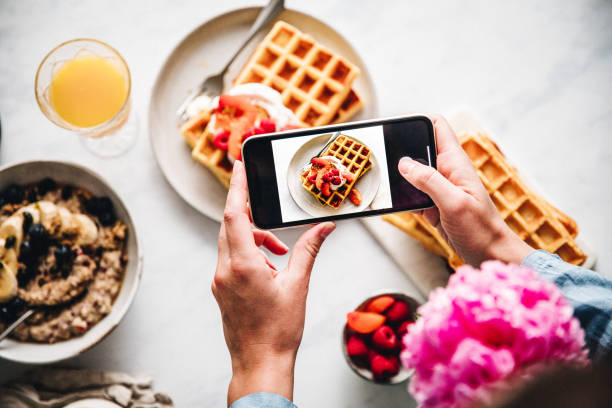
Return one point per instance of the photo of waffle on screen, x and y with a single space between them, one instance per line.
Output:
331 176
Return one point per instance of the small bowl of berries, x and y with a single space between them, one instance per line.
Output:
372 336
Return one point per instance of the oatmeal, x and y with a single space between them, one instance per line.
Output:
62 252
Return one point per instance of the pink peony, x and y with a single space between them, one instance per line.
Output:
488 327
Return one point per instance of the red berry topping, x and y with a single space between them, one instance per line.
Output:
398 312
259 130
220 140
325 190
336 180
267 125
249 132
356 347
383 367
327 178
384 338
238 112
313 178
335 172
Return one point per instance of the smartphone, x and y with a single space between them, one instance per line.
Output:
336 172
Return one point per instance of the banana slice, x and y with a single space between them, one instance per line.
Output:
8 284
49 215
13 227
33 210
9 259
68 225
87 230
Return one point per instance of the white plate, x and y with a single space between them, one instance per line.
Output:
42 353
367 185
201 53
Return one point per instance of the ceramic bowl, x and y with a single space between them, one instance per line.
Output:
363 372
76 175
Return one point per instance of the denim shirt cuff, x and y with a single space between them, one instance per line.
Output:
263 399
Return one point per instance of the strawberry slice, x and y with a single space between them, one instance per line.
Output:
348 176
355 196
325 190
320 176
236 114
364 322
320 161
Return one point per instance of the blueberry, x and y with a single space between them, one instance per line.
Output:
6 314
39 240
62 254
10 242
46 185
23 277
32 195
25 251
16 304
13 194
66 192
41 282
107 219
27 221
105 204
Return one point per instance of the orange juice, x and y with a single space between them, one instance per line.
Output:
87 91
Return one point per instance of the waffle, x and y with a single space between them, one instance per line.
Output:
353 155
314 81
533 219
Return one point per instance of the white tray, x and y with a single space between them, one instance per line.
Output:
428 270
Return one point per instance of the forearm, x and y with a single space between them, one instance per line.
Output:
262 371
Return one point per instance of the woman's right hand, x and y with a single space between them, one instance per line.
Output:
464 213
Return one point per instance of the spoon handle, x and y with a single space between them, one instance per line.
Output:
16 323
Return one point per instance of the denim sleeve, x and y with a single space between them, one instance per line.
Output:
263 400
589 293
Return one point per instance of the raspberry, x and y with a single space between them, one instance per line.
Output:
238 112
267 125
384 338
249 132
336 180
398 312
220 140
327 178
335 172
403 328
259 130
356 347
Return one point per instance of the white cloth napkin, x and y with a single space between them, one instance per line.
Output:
51 387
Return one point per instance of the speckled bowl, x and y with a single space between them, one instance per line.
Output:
63 172
364 373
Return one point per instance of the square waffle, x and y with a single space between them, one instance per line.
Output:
314 81
353 155
533 219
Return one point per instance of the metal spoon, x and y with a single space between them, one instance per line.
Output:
16 323
213 85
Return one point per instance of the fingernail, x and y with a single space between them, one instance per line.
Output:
329 228
405 164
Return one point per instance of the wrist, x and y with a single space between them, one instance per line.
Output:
507 246
261 370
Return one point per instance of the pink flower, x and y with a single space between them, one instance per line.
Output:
488 327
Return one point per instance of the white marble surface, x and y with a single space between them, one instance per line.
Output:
538 74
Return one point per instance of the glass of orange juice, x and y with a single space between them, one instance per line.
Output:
83 85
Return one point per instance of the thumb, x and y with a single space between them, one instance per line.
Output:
430 181
306 249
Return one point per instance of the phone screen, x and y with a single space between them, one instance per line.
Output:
336 172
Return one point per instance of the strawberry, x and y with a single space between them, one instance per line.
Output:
380 304
398 312
220 140
355 196
249 132
335 172
320 175
356 347
384 338
312 178
348 176
320 162
325 190
383 367
336 180
364 322
267 125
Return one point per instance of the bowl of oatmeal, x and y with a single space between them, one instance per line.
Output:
69 252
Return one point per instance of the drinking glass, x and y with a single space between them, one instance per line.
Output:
112 137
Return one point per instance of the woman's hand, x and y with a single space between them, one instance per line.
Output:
263 309
464 213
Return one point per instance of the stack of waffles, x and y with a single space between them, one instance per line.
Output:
353 155
533 219
315 83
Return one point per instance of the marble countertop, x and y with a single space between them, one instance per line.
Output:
539 75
